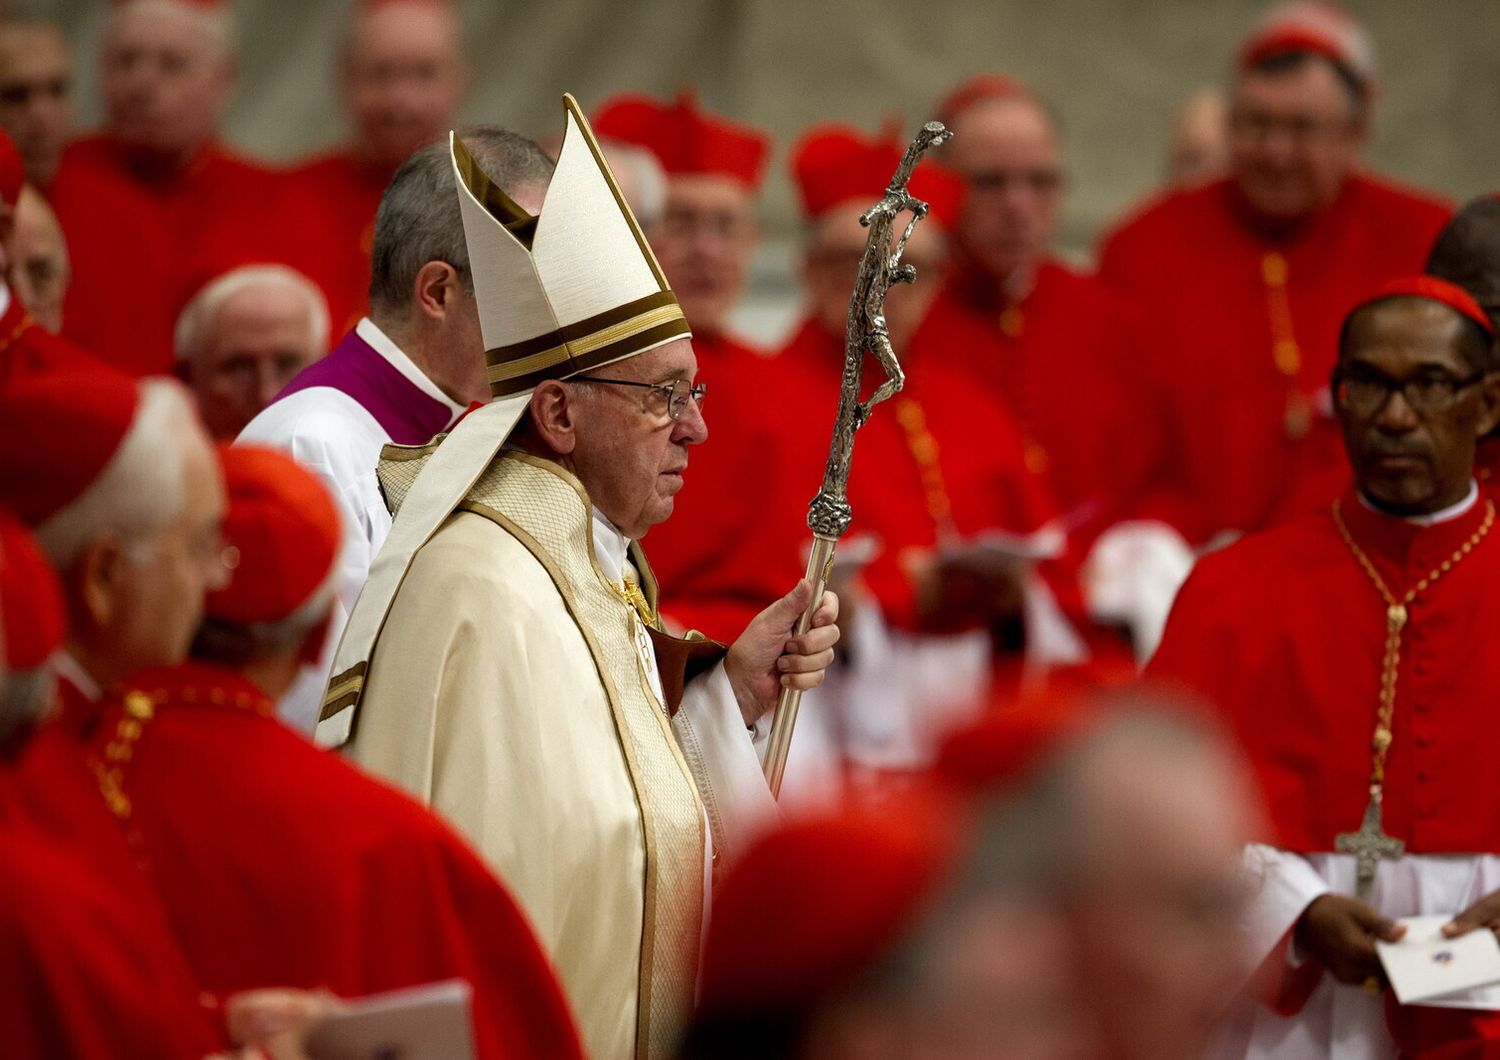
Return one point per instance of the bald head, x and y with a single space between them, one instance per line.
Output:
1008 151
1467 253
403 76
36 78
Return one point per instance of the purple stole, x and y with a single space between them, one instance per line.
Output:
403 411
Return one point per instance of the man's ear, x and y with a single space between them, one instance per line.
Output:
553 413
94 581
435 287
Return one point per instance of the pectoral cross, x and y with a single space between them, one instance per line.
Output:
1368 846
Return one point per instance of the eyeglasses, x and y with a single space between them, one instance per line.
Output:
1037 180
1301 129
1365 393
678 391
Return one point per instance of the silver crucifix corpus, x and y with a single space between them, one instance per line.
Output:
1368 846
880 267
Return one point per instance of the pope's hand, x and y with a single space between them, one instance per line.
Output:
1484 913
1341 932
767 658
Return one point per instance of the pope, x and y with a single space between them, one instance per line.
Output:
505 661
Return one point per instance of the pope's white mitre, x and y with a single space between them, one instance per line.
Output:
570 289
565 291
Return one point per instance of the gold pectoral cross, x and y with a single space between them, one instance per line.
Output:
1368 846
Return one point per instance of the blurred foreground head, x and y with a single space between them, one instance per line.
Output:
1073 892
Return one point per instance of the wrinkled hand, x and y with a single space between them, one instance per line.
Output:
1484 913
767 658
1340 932
275 1023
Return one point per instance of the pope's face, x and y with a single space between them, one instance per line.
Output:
630 454
259 339
166 80
1008 154
1412 450
704 243
1293 139
403 78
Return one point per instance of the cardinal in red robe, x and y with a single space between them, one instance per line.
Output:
280 863
402 74
1065 361
159 181
26 348
1242 283
1349 651
91 966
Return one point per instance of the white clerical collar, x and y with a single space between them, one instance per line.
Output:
611 548
380 342
1453 511
72 671
5 297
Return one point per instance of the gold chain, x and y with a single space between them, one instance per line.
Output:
1395 622
924 451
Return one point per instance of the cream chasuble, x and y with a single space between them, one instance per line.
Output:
516 694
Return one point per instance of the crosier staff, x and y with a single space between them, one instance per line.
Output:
829 514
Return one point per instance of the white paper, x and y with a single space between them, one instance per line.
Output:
1427 968
428 1022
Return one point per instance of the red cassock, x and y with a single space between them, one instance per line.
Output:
89 962
942 455
734 542
345 192
27 348
1487 463
1286 634
1068 369
1240 329
282 864
122 261
203 212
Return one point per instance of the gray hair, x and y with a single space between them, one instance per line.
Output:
196 320
141 489
419 222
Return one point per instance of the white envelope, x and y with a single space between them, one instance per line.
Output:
1426 968
429 1022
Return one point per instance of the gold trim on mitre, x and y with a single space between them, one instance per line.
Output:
577 286
572 288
